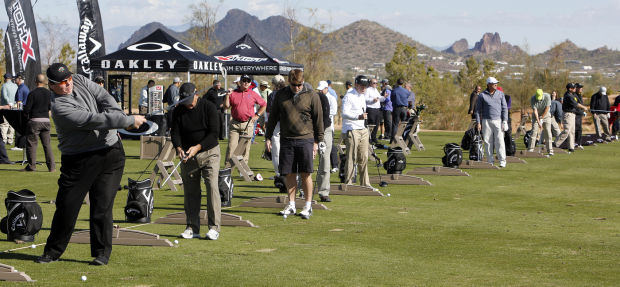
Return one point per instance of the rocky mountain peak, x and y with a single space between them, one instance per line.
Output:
458 47
488 44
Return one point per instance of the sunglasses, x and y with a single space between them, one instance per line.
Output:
297 85
63 82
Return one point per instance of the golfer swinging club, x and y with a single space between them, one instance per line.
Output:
92 160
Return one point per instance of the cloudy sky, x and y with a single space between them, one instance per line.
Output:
535 24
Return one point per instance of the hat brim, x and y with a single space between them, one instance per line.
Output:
184 101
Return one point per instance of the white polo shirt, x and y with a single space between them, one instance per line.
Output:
353 105
372 94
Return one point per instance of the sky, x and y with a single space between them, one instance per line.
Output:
533 25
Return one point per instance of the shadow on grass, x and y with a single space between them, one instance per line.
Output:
28 257
254 186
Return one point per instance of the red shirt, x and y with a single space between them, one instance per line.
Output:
242 104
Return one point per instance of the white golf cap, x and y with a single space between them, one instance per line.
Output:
322 85
237 80
603 91
176 80
492 80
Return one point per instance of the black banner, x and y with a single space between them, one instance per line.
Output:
21 41
90 38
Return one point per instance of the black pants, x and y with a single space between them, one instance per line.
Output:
4 157
42 131
374 118
578 130
399 114
333 157
223 126
98 172
387 122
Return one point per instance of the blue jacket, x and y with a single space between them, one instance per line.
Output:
400 97
22 93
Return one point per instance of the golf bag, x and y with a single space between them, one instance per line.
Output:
475 150
226 185
139 207
527 138
24 217
467 138
280 182
453 155
509 143
396 162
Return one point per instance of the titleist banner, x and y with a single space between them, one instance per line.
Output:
21 41
91 43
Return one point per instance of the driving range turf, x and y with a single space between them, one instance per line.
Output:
551 222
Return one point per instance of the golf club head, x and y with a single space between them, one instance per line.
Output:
383 184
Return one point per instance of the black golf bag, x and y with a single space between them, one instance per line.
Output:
342 169
139 207
475 151
467 138
527 138
453 155
396 161
412 125
509 143
226 186
280 182
24 217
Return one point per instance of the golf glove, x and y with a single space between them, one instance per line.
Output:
504 126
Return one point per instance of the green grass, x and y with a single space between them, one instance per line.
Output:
526 225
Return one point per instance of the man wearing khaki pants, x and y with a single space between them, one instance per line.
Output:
599 106
355 134
241 103
194 133
541 120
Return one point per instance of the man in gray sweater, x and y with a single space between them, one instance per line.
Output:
92 160
492 117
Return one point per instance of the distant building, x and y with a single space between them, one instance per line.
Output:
587 67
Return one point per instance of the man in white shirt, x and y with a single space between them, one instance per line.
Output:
373 108
354 132
143 103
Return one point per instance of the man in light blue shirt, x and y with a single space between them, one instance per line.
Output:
9 89
492 118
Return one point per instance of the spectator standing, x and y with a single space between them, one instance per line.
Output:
579 115
171 95
299 111
143 103
241 103
570 107
472 105
400 97
556 114
21 96
216 95
278 83
599 106
322 177
373 108
492 118
386 108
9 89
333 111
37 111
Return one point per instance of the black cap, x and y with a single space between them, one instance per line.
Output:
58 72
578 85
348 83
8 76
99 80
186 92
362 80
570 86
20 76
245 77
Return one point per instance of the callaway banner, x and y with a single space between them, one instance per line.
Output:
90 38
21 41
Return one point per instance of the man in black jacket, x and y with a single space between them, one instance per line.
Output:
579 115
216 95
570 106
195 127
37 110
599 106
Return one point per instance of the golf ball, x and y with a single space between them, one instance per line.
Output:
389 194
33 246
176 242
285 216
83 277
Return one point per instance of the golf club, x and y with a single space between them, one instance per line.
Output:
378 163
